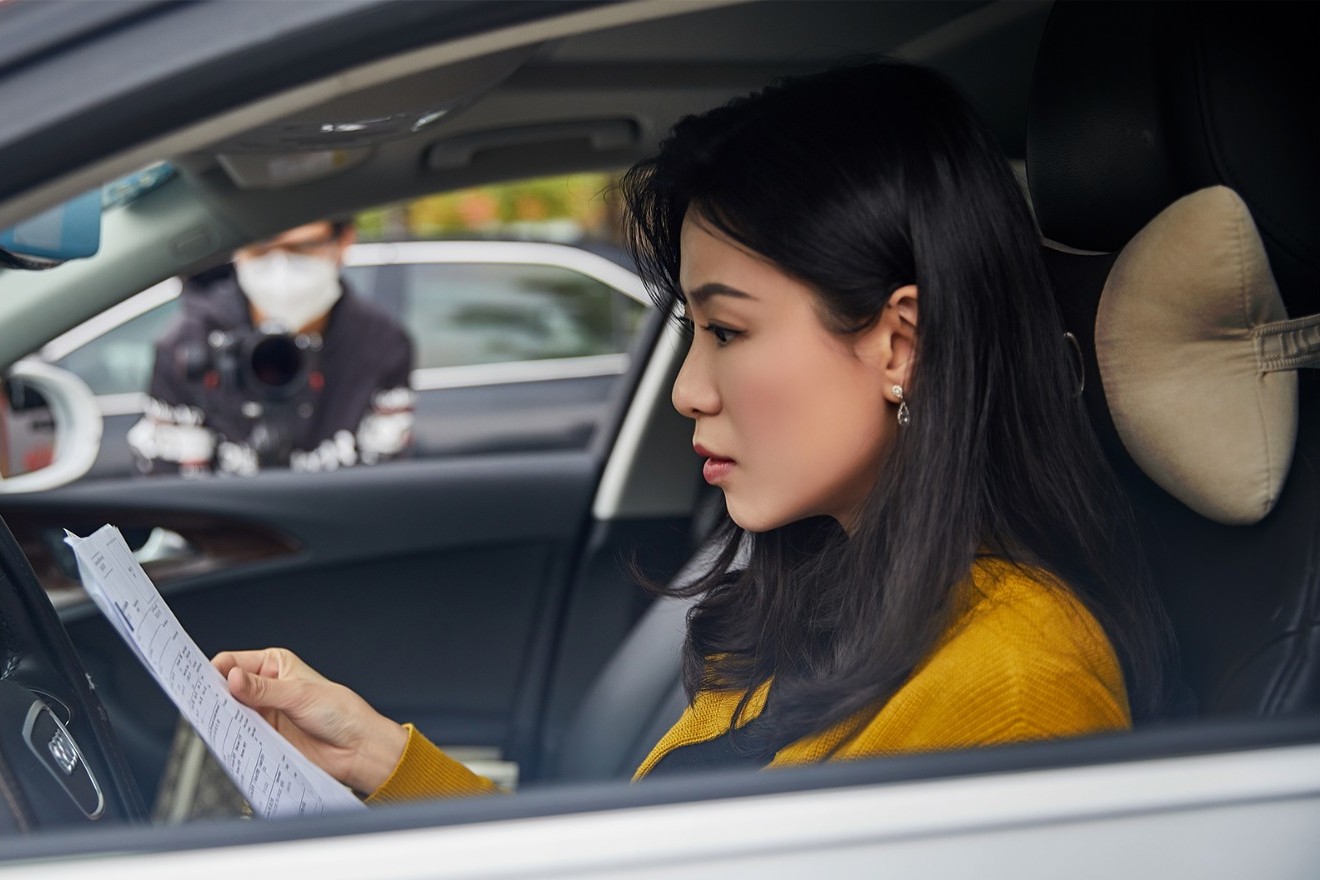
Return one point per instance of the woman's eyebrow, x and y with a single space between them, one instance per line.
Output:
700 295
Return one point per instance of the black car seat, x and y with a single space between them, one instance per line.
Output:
1133 107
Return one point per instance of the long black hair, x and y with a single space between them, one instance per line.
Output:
858 181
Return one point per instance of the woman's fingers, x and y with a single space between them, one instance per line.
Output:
329 723
261 692
268 662
248 661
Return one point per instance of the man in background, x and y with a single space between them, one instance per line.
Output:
277 364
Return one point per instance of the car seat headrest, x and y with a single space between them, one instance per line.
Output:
1134 105
1198 359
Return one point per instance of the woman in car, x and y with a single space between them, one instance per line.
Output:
925 550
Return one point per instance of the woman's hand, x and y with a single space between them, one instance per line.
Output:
327 722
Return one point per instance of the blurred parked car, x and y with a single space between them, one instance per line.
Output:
518 344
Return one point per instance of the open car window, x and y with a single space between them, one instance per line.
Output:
500 306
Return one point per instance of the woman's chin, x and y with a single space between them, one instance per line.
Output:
750 520
754 520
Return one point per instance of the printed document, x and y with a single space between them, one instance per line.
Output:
274 776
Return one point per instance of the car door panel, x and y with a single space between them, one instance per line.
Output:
546 414
450 590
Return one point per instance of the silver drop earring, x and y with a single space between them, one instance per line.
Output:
904 416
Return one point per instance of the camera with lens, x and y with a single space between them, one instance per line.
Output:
264 365
271 371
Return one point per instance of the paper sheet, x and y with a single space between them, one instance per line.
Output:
274 776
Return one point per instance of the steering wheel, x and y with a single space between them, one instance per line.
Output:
60 764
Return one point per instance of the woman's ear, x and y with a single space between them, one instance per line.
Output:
889 343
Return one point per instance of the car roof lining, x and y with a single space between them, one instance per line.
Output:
197 137
938 40
566 57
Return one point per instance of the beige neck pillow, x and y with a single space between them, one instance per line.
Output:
1198 358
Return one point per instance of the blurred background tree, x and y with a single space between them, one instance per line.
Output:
569 208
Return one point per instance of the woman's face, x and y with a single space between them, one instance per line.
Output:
792 419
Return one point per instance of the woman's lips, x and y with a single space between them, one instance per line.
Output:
716 468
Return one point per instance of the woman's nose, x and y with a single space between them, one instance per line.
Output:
694 393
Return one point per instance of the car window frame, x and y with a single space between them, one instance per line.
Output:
1151 752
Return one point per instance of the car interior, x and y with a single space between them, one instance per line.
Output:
1168 157
1223 549
1229 531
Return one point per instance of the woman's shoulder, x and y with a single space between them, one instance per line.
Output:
1024 659
1020 622
1007 596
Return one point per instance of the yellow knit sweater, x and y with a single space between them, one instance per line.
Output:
1023 660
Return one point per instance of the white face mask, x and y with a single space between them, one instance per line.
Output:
289 289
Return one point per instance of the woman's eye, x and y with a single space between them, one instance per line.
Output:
723 335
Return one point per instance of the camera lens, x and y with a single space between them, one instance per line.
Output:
276 362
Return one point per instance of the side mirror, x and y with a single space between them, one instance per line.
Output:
66 232
61 419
